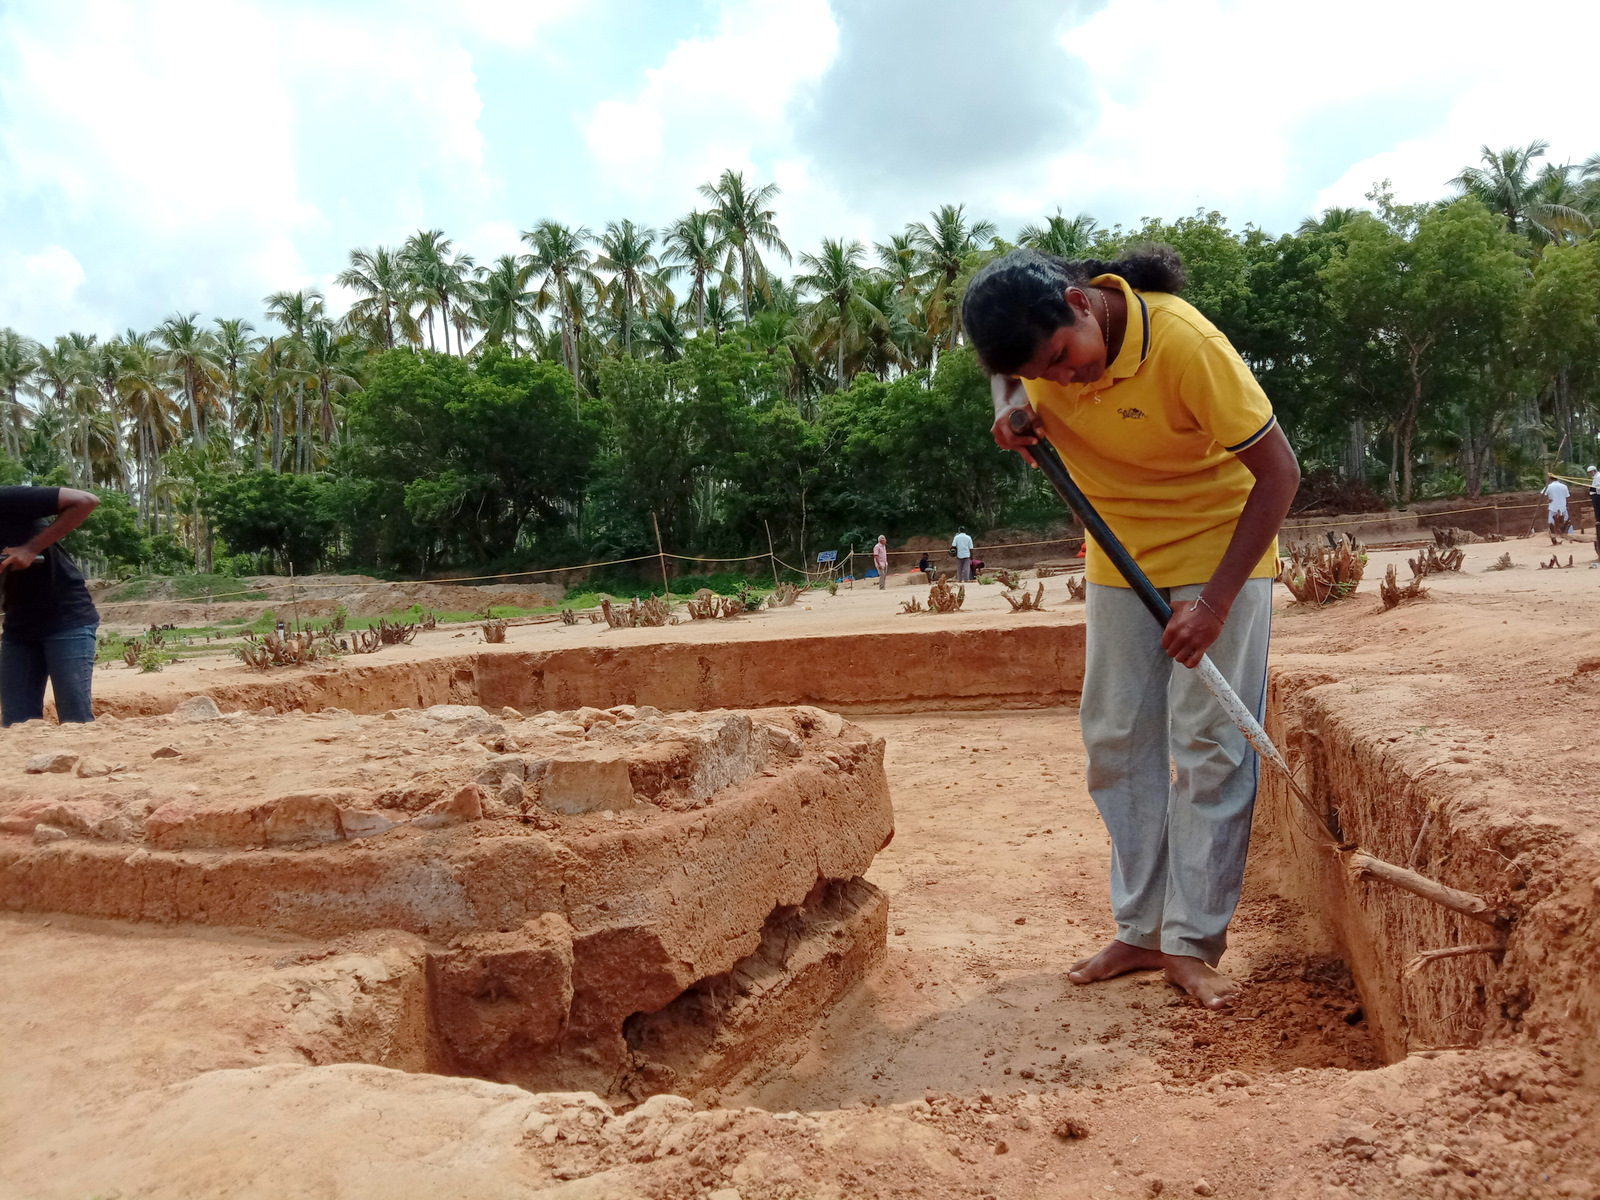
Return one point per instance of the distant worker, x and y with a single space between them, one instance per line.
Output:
925 565
880 559
1594 501
961 547
50 621
1558 493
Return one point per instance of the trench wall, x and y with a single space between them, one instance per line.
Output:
1026 666
1548 979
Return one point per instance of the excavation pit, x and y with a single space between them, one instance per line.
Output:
896 1028
545 878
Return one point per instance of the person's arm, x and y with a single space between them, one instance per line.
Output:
1195 626
73 507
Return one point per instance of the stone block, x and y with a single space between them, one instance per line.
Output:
465 805
592 782
497 994
190 825
198 708
51 764
303 817
93 768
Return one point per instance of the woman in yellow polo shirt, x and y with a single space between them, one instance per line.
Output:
1172 438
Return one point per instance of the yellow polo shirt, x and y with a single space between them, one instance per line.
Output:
1152 442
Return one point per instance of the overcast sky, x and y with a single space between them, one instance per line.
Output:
162 155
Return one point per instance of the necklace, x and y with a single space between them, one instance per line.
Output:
1102 321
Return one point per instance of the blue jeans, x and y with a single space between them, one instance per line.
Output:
65 658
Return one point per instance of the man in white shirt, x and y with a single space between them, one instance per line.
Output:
1557 493
962 545
880 560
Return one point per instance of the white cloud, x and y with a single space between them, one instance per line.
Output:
40 286
511 23
714 102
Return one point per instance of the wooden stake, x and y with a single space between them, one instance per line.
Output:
771 554
666 588
294 598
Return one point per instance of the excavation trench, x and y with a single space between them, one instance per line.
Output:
941 966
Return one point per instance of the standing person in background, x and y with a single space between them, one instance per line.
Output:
50 621
962 545
880 559
1594 501
1558 493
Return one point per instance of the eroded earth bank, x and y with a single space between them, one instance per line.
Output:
666 946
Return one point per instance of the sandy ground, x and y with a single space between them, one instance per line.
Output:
1495 678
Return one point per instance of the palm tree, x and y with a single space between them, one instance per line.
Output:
746 225
61 376
1506 184
327 365
190 352
236 342
693 246
662 333
1059 236
561 258
719 314
148 406
941 246
18 359
836 275
380 278
626 254
297 312
897 259
1331 221
502 303
887 340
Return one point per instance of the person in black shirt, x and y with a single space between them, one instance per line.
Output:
50 621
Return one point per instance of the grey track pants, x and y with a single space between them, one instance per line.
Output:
1174 781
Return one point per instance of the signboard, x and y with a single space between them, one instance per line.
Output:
827 556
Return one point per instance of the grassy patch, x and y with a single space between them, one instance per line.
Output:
182 587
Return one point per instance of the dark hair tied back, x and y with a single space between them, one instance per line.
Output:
1017 302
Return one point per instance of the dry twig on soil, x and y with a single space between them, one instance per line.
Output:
783 595
1323 574
1010 579
568 617
1555 564
943 598
1391 593
1428 956
1503 563
1027 601
1077 587
912 605
494 631
131 652
1431 562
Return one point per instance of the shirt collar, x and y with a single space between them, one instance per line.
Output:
1135 341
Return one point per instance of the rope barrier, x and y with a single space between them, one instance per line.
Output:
845 568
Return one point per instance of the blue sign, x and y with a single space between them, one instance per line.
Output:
827 556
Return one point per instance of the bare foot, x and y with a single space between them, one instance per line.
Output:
1116 959
1201 980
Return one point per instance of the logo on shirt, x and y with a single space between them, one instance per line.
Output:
1131 414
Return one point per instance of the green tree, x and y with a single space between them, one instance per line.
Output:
18 360
286 517
943 244
1506 184
1439 300
561 258
1060 236
378 277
